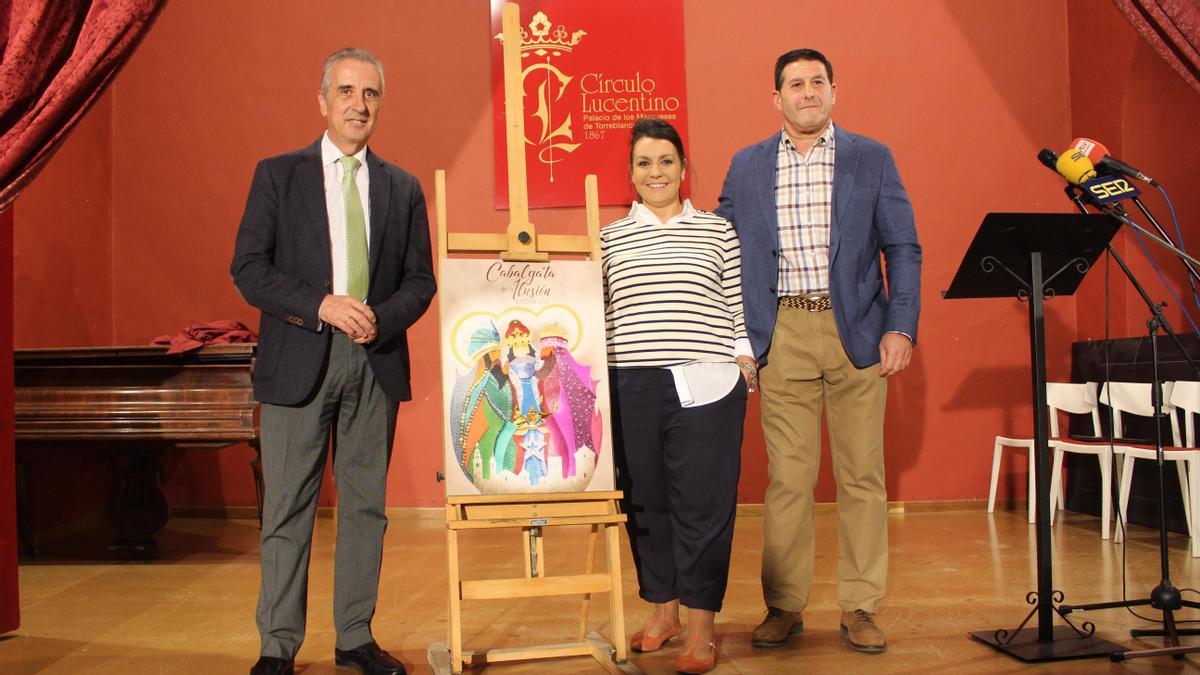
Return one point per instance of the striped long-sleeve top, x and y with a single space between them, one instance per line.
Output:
673 291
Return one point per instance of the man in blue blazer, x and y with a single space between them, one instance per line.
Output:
334 249
815 207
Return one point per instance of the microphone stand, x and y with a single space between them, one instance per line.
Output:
1165 596
1193 275
1121 215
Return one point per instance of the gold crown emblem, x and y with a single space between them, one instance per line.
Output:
544 40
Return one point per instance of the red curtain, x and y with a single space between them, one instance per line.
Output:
10 610
1172 28
56 59
58 56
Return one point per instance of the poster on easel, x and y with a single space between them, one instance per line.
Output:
524 377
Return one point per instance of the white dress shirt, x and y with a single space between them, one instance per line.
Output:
335 205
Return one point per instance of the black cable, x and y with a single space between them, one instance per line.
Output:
1179 236
1189 590
1120 515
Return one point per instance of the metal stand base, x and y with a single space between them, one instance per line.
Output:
1176 652
1066 644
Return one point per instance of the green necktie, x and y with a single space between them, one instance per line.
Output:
357 280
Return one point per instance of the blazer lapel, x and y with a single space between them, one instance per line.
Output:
381 198
312 187
845 167
765 160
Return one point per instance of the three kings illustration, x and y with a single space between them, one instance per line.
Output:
524 416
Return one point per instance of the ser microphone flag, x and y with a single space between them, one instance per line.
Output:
1098 155
1109 189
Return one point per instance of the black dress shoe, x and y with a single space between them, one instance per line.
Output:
270 665
369 659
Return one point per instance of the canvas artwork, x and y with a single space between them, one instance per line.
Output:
524 377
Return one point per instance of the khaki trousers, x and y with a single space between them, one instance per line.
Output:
808 369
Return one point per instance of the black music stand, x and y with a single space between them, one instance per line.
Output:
1008 258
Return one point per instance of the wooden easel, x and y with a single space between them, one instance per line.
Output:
530 513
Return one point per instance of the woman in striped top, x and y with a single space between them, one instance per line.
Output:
680 366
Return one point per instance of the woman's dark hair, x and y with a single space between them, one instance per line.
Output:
653 127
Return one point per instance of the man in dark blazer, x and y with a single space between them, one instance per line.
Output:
814 207
333 248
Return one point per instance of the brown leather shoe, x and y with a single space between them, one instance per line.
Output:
777 628
859 629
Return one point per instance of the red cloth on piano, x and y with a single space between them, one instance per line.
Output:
202 333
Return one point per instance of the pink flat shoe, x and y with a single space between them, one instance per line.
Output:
640 642
687 662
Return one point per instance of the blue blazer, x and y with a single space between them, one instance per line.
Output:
871 215
282 266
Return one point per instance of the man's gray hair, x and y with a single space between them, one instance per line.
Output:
350 53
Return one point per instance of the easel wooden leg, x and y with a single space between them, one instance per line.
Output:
588 568
616 605
455 623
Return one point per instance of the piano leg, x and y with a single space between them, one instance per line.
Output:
25 507
256 470
137 506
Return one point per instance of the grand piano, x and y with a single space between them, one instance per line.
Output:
134 404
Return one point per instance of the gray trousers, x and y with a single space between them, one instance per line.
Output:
295 442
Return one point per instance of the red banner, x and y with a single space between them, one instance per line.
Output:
589 70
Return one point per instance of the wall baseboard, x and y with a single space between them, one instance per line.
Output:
743 510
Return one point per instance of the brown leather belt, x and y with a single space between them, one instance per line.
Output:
811 302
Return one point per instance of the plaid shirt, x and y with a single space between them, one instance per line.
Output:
804 203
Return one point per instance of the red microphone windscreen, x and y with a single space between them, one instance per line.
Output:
1094 150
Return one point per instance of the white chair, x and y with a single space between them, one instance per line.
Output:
1080 399
1185 397
1133 398
1060 397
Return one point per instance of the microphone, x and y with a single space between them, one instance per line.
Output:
1074 166
1098 154
1049 158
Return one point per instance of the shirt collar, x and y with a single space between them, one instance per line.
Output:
641 213
824 140
330 154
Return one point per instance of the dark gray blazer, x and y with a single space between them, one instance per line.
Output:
871 215
282 266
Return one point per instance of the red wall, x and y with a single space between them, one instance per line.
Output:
1159 124
63 268
63 253
1149 122
963 109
